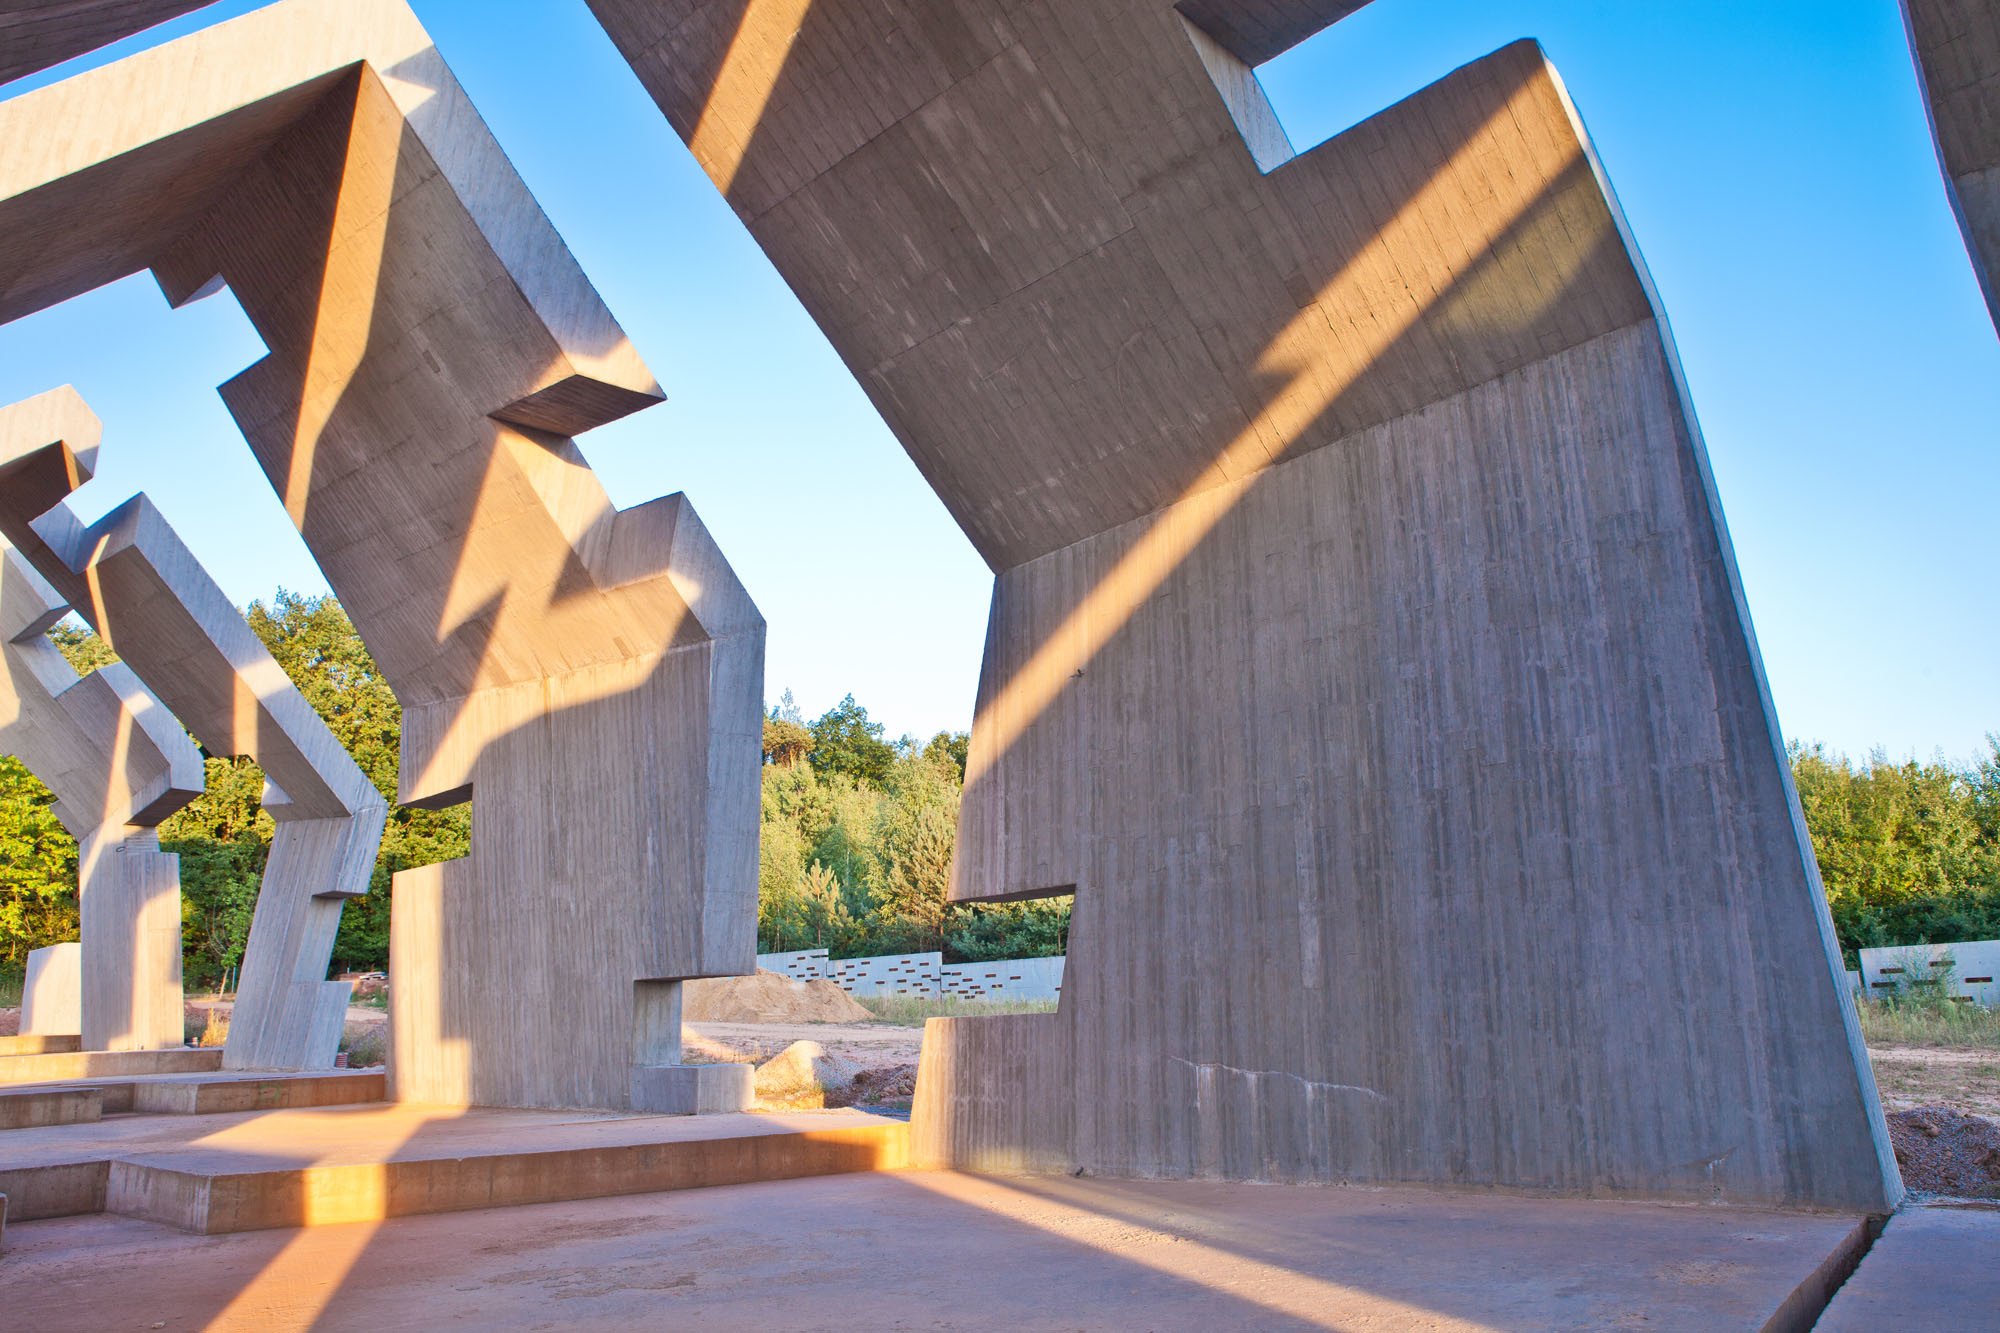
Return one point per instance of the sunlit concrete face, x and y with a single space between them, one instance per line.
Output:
1957 48
118 764
130 576
1366 648
589 680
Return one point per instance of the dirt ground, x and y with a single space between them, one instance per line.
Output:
1965 1079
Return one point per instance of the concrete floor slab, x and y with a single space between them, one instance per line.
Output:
1935 1267
942 1250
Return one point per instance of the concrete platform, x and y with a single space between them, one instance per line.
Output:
255 1170
44 1044
36 1105
918 1249
68 1066
1935 1267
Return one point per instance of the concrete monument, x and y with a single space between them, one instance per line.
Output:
132 579
118 764
52 991
35 34
589 680
1366 651
1957 49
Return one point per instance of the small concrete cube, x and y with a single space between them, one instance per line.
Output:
691 1089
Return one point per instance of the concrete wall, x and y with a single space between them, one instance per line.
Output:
924 974
52 993
801 964
888 974
1974 970
1366 650
1003 979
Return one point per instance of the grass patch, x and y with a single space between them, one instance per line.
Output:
366 1044
910 1011
11 985
1925 1022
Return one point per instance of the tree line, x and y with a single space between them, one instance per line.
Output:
857 832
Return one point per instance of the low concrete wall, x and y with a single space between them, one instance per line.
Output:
1975 969
924 974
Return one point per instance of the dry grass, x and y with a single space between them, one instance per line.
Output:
366 1044
1927 1021
910 1011
205 1027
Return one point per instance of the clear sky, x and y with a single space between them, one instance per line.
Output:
1773 159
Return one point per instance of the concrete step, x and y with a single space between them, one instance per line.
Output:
40 1044
228 1173
68 1066
34 1105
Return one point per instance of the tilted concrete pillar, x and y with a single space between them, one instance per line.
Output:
589 680
1366 651
1956 45
118 764
131 577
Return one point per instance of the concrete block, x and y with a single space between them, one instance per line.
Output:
41 1045
692 1089
52 992
33 1108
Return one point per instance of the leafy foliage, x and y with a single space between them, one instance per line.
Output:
1910 852
37 868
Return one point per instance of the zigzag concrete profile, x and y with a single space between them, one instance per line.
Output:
1361 592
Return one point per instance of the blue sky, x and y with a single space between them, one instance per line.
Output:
1773 159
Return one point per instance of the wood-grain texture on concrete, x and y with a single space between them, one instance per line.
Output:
35 34
132 578
590 680
1957 48
1366 651
118 764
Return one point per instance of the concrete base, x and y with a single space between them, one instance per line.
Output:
692 1089
918 1249
64 1068
254 1170
42 1044
1933 1267
36 1105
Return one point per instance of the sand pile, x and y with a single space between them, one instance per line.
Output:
1944 1152
767 997
800 1077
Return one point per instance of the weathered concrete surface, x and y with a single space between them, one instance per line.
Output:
52 996
1366 649
33 1107
244 1172
589 680
1957 49
1933 1268
930 1250
47 1044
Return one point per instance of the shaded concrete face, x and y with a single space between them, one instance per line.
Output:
1366 649
1957 48
35 34
589 680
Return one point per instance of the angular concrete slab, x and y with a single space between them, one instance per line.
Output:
936 1250
1957 48
242 1172
70 1066
1932 1268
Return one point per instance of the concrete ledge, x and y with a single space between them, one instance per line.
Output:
43 1044
64 1067
276 1093
692 1089
220 1202
1936 1267
35 1107
66 1189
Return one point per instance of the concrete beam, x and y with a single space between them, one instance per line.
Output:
35 34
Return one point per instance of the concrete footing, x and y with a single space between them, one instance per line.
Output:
692 1089
63 1067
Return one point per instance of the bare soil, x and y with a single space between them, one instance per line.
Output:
767 997
1965 1079
1941 1151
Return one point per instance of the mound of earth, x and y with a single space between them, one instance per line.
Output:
802 1076
890 1086
1944 1152
767 997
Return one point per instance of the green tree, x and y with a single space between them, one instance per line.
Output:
37 868
950 747
846 744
